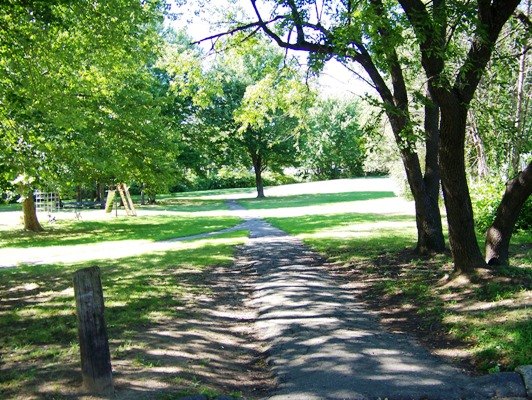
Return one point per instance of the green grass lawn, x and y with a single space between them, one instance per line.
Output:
489 317
187 204
305 200
156 227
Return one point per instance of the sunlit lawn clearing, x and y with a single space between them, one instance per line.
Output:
215 194
491 317
306 200
155 227
187 204
38 342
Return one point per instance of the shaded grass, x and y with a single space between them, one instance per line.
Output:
10 207
37 310
305 200
157 227
489 317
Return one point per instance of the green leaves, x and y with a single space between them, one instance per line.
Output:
334 146
76 89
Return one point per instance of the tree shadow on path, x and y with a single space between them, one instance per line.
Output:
322 344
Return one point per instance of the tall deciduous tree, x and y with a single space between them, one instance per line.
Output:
255 111
67 71
367 33
454 92
371 33
334 146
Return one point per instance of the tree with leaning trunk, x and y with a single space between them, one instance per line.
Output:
454 93
326 32
498 236
369 33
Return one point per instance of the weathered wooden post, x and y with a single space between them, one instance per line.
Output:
93 342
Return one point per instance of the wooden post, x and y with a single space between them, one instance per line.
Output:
93 342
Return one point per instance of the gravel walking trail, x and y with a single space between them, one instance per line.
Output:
322 344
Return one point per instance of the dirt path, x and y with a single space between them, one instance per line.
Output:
322 344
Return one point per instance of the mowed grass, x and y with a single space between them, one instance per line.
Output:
156 227
305 200
39 351
194 202
488 317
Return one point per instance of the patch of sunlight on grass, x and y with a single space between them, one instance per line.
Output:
149 228
188 204
37 308
498 343
307 200
361 230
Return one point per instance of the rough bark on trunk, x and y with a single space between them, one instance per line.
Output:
434 241
498 236
424 189
481 159
428 219
31 222
462 239
257 166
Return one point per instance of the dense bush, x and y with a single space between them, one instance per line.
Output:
486 196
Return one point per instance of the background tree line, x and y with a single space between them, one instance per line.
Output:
105 93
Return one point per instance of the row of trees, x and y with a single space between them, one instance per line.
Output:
104 93
449 44
77 95
256 111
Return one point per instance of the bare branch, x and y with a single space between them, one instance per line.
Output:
257 25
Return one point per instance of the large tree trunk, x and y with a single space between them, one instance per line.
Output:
257 166
424 188
434 240
31 222
462 239
428 219
518 190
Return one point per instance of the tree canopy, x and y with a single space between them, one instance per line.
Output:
76 99
387 39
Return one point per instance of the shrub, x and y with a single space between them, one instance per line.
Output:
486 196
